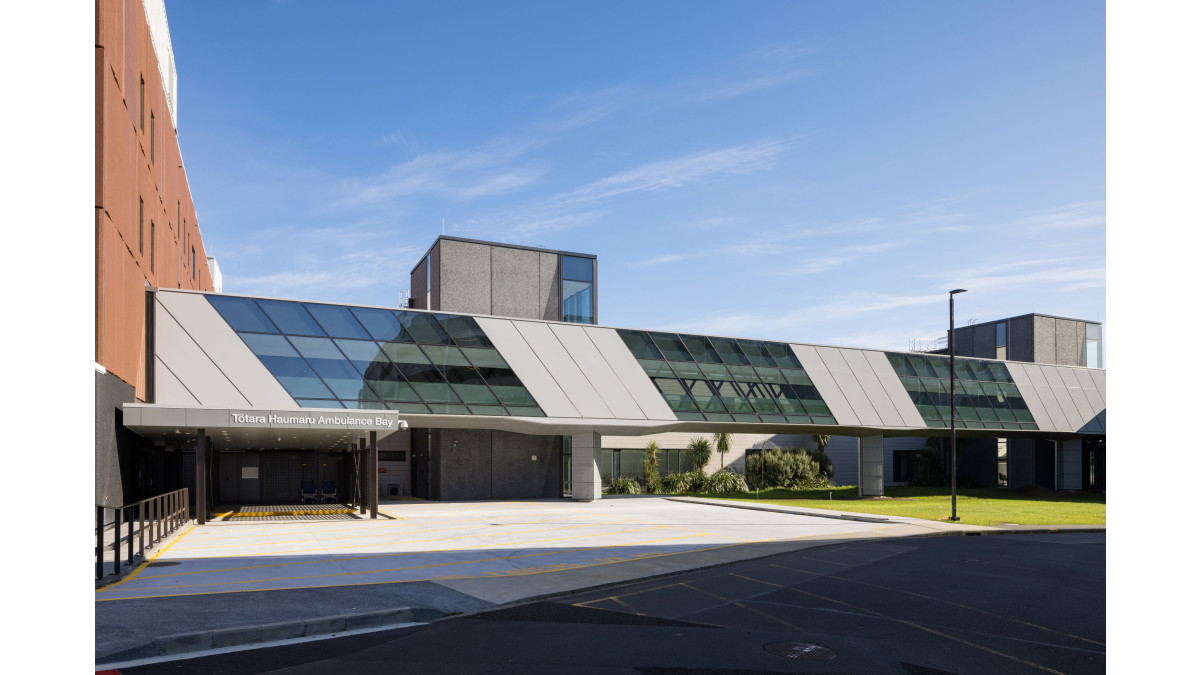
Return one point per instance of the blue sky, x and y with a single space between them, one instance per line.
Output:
811 171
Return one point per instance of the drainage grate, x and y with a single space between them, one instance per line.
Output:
800 651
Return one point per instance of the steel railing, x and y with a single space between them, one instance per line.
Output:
147 522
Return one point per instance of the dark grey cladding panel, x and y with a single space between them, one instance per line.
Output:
466 277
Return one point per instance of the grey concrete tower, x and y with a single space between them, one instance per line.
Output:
522 282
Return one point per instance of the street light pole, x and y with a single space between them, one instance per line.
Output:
953 415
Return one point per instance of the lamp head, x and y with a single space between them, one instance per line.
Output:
958 290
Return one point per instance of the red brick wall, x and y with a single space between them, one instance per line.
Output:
125 173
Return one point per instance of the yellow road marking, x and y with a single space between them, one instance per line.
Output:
444 578
931 630
418 567
774 618
951 603
388 555
263 514
146 563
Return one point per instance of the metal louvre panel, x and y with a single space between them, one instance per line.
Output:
222 345
192 367
1074 416
597 371
1029 393
826 385
1049 400
630 372
528 367
851 388
869 381
563 369
909 415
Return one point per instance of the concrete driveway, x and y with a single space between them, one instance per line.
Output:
531 547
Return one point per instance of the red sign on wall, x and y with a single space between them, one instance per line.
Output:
383 469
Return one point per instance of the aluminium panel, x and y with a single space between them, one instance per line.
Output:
827 386
869 382
1071 377
591 362
630 372
1033 400
168 390
1075 416
223 346
1058 418
909 415
1099 377
850 386
528 367
191 366
563 369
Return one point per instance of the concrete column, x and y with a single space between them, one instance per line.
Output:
585 467
374 468
201 473
870 466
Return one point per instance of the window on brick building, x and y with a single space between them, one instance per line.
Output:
142 105
152 246
141 216
193 262
151 138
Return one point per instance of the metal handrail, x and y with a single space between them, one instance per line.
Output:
156 518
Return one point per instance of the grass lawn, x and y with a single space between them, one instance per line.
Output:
976 506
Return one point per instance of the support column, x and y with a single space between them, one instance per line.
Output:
870 466
585 468
363 486
201 474
374 466
1070 464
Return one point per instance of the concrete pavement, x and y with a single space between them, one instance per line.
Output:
437 558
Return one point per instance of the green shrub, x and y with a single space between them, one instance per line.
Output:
624 486
650 464
726 481
784 467
695 481
675 483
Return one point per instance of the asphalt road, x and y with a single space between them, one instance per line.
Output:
989 604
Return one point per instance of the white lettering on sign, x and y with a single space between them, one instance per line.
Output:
347 420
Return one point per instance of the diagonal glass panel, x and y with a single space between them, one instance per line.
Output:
403 353
464 330
291 317
675 395
687 369
424 328
488 410
381 324
327 360
816 407
657 368
757 353
796 377
901 365
784 358
920 365
429 383
773 375
469 386
282 360
408 407
729 351
377 370
715 371
704 396
445 356
484 358
640 344
242 314
318 403
700 348
337 321
743 373
731 397
525 412
671 346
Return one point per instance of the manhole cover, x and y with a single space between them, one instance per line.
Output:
162 564
800 651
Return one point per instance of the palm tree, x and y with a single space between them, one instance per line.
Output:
700 450
723 440
822 440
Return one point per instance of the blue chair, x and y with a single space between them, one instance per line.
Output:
308 492
329 492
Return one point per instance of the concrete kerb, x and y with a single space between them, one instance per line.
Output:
941 529
285 630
